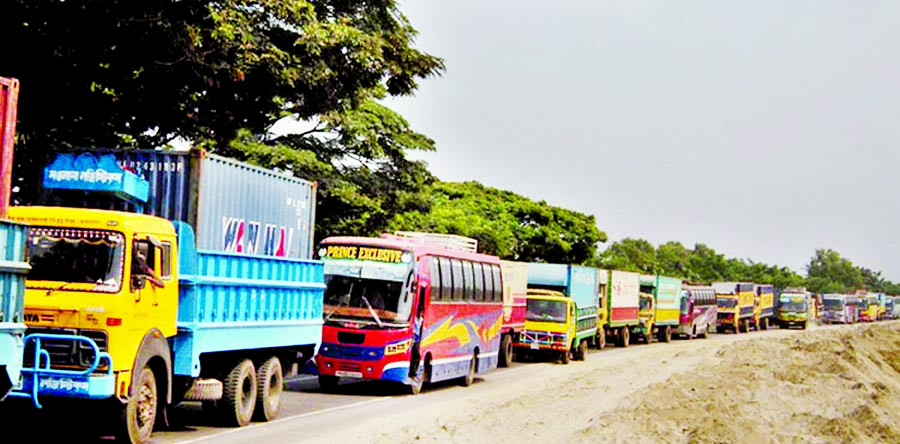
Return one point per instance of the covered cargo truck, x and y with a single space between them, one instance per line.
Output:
735 306
622 303
515 289
232 206
659 316
764 306
12 250
575 282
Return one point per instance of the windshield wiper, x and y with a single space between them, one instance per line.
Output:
63 287
372 312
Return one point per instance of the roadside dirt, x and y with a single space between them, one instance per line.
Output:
827 384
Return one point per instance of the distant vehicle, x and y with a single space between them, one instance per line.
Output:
550 327
736 306
840 309
792 308
890 307
764 306
659 316
868 307
698 311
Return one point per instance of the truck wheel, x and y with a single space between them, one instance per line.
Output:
601 339
765 323
470 376
623 337
665 335
564 356
582 351
506 351
239 395
328 383
139 414
268 392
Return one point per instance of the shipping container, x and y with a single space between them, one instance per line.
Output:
232 206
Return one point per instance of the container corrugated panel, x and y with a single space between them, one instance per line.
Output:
246 209
232 206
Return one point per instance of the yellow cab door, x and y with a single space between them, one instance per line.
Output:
152 285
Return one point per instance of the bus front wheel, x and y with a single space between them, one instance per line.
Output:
506 351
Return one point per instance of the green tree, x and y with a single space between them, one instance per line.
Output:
630 255
673 259
828 272
504 223
118 73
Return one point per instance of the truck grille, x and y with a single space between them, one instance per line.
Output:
66 354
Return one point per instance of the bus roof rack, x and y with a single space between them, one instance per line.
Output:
450 241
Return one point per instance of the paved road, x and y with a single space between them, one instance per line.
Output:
308 415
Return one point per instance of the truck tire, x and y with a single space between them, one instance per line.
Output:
328 383
664 335
239 395
268 390
582 350
765 323
506 351
623 337
564 356
139 414
601 339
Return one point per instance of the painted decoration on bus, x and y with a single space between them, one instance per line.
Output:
363 253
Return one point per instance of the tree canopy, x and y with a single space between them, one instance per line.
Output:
504 223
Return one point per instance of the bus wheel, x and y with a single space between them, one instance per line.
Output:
470 376
268 392
328 383
239 395
139 414
506 351
705 333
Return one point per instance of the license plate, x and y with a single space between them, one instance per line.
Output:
535 346
343 374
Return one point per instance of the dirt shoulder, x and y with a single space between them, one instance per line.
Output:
836 384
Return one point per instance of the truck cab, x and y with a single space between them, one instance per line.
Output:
550 322
792 309
646 317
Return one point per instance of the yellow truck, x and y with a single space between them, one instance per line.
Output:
550 323
764 306
736 306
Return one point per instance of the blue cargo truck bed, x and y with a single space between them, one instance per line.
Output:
575 281
239 302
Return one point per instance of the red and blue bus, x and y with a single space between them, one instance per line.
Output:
411 308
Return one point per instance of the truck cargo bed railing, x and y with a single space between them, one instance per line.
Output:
40 368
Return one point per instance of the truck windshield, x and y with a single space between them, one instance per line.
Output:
792 302
378 297
833 304
542 310
726 302
72 256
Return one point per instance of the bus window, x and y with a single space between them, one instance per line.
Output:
469 281
435 278
446 279
458 283
497 295
478 275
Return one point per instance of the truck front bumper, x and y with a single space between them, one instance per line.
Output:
40 379
542 340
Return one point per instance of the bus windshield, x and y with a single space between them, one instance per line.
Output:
73 256
542 310
371 293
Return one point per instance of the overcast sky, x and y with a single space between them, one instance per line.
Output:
763 129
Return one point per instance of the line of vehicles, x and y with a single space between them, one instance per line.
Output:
188 286
860 306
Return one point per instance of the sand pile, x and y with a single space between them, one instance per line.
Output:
826 385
